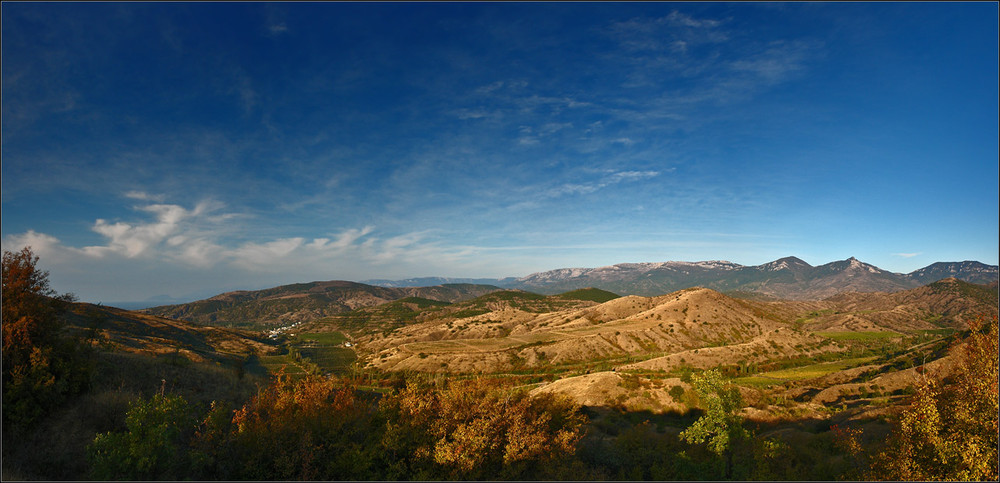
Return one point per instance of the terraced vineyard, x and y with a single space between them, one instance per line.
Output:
323 352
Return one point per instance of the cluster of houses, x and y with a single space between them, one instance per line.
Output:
274 333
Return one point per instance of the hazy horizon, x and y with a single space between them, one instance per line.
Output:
173 149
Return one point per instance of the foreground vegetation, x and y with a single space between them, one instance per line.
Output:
76 408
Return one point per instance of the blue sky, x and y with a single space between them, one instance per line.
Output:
185 149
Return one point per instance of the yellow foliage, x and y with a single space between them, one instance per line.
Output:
950 431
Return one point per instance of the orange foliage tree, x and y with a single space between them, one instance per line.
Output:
323 429
311 429
38 368
477 430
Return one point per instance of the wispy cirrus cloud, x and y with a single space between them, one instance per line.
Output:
607 180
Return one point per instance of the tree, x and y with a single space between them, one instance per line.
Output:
949 431
477 429
153 447
721 426
313 428
38 366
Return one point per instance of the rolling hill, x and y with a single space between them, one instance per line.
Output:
136 332
517 335
303 302
699 327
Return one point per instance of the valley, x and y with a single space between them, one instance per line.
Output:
785 350
632 366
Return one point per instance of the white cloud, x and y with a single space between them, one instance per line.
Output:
348 237
775 63
907 255
44 246
196 248
132 240
675 32
254 256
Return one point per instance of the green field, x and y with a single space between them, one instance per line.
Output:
274 364
801 373
863 336
323 338
944 332
324 349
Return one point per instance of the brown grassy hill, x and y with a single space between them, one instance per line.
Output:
629 327
135 332
946 303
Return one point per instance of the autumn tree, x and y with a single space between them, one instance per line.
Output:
314 428
477 430
38 365
949 431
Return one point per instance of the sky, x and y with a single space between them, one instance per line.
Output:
173 151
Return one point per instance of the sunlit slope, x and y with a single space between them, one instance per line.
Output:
510 338
129 331
946 303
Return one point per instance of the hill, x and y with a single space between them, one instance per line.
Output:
385 318
511 338
302 302
140 333
968 271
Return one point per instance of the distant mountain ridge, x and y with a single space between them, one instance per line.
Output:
429 281
787 278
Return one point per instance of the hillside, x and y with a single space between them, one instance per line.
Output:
592 350
946 303
139 333
508 337
389 316
303 302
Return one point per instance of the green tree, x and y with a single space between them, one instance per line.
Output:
949 431
721 426
154 446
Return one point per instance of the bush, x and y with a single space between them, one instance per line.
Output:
153 446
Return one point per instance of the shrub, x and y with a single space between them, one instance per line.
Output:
153 445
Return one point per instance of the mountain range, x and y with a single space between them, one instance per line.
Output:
785 278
